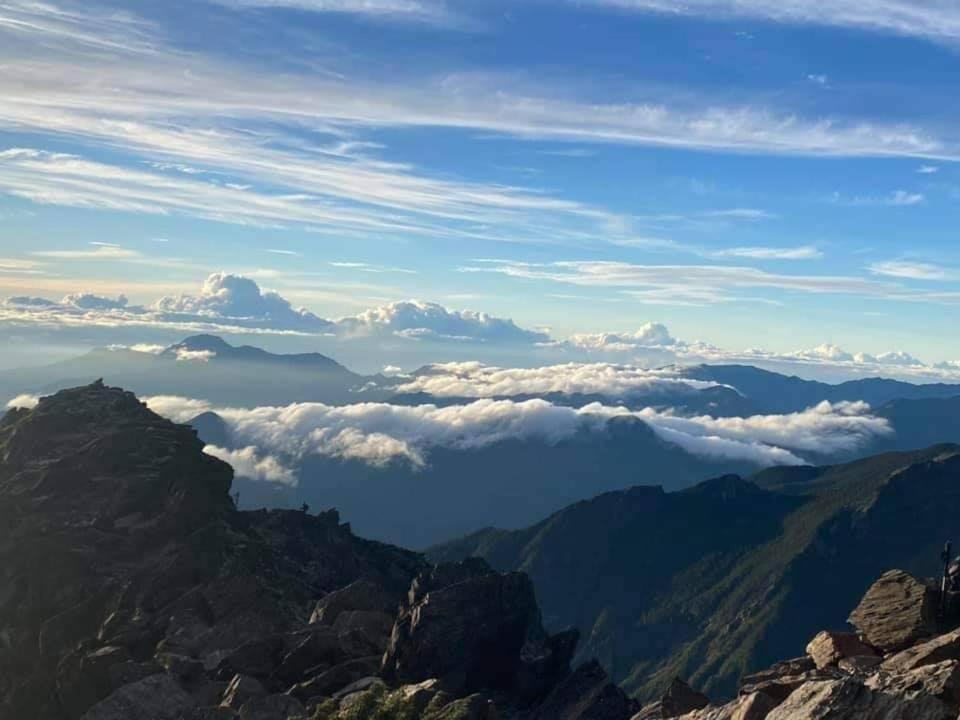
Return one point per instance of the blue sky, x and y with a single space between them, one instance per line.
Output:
751 173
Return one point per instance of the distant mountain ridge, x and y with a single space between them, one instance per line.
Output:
208 367
728 576
773 393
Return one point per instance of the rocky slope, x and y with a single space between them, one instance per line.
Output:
717 581
130 587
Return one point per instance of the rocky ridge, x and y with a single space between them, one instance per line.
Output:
131 587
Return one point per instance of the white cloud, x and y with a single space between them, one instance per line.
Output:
100 251
239 300
804 252
379 433
937 20
476 380
741 214
819 79
415 319
24 401
89 301
248 463
910 270
187 355
928 169
147 102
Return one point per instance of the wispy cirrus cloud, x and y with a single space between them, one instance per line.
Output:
432 12
803 252
911 270
937 20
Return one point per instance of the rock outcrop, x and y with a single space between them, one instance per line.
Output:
131 587
909 669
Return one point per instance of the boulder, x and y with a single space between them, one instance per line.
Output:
587 694
158 697
897 611
828 648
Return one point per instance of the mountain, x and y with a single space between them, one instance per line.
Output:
510 483
133 588
205 366
773 393
726 577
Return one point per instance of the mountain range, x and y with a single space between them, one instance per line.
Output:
725 577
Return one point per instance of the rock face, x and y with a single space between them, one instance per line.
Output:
131 587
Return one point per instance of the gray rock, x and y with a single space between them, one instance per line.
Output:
362 595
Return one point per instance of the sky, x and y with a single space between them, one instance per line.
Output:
774 181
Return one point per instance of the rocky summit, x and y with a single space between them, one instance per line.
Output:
132 588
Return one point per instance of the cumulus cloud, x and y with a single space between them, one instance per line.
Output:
416 319
379 433
247 463
650 335
476 380
24 401
240 301
89 301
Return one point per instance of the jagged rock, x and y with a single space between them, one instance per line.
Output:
897 611
943 647
465 625
828 648
362 595
587 694
158 697
117 531
849 699
336 678
241 689
781 679
273 707
372 626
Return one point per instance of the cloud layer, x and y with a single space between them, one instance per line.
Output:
475 380
275 438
